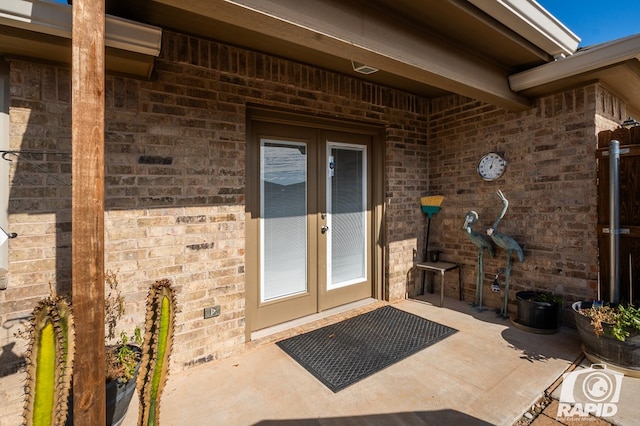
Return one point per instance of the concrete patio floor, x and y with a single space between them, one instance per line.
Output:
489 372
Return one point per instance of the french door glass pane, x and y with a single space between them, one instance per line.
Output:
347 215
283 204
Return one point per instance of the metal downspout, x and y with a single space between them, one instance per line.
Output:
614 219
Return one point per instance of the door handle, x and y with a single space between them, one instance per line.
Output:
324 229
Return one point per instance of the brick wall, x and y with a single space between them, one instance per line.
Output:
407 178
175 182
550 184
175 179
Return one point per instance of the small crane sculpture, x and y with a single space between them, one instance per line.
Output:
483 242
507 243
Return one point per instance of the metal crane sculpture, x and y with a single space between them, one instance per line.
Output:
507 243
483 242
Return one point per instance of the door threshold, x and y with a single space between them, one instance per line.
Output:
258 334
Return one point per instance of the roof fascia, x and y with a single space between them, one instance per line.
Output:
592 59
533 22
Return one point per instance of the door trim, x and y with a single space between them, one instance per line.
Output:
268 331
252 199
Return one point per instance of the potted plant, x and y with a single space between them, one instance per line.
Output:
538 311
49 362
48 394
159 328
122 355
610 334
122 358
130 366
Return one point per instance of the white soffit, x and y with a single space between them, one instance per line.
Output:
591 59
55 19
533 22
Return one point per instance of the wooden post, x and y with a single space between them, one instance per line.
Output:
87 140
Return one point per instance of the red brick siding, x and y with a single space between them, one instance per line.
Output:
550 183
175 183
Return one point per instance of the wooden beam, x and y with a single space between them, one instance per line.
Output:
87 139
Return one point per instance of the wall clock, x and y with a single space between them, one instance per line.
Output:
491 166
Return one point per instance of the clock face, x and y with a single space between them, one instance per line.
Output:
491 166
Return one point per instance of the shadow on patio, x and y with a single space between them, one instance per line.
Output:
441 417
487 373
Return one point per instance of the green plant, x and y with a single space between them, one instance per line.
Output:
121 359
621 320
49 362
546 297
156 350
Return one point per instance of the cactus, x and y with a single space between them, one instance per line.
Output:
49 363
156 349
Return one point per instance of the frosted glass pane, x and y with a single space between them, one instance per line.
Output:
348 216
283 199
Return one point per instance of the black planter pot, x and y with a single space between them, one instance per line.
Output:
538 317
118 397
619 355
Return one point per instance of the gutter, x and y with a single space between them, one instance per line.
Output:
589 59
533 22
55 19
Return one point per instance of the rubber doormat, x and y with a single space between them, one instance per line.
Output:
341 354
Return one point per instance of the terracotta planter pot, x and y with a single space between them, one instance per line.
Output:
621 356
543 316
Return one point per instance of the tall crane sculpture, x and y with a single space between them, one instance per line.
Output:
483 242
507 243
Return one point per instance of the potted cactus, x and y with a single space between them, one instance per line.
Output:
49 400
156 349
49 362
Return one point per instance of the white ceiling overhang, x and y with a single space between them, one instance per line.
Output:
42 29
